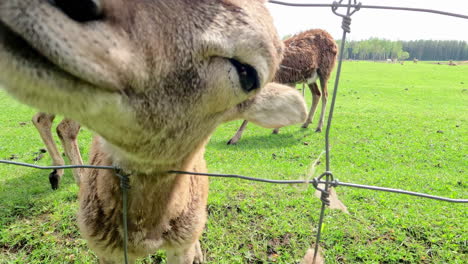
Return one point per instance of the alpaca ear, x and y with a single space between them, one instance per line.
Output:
275 106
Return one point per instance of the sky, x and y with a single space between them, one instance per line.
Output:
366 23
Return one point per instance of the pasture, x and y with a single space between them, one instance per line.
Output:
399 126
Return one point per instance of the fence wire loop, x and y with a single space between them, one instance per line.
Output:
346 23
329 182
124 178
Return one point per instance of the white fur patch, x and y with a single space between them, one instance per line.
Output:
313 78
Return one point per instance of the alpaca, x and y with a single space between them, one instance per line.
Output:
152 79
308 56
67 130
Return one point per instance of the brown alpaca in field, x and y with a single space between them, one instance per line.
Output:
308 56
67 130
153 79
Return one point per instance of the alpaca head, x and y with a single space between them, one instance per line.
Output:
153 78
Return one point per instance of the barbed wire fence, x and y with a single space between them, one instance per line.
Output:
326 178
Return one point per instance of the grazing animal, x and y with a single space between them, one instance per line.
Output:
153 79
308 56
67 130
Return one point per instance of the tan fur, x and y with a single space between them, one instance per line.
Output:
153 79
276 97
335 202
309 257
308 56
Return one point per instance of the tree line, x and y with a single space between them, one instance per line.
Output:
382 49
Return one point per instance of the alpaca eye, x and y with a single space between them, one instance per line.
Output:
248 76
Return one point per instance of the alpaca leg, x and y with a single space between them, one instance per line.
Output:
190 255
238 134
315 100
199 258
68 131
323 84
43 123
275 131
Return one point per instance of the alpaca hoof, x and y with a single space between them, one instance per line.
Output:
305 126
232 142
199 258
318 130
54 180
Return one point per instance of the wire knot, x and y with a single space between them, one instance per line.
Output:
324 197
330 182
335 6
124 178
358 6
346 24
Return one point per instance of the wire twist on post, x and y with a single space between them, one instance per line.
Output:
346 23
124 178
329 183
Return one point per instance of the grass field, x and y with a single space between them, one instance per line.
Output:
400 126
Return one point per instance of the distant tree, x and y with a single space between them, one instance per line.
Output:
403 55
382 49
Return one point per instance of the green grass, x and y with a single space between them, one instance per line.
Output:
400 126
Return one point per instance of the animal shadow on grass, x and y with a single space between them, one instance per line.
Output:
265 141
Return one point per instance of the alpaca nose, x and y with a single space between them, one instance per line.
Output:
80 10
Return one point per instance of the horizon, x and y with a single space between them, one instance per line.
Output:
383 24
